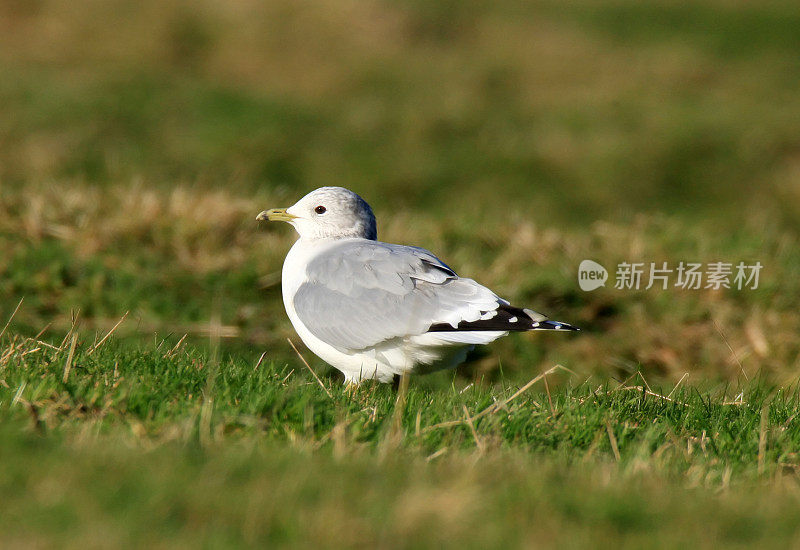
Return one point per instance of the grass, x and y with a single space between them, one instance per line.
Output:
232 453
139 140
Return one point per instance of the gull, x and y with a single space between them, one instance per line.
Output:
376 310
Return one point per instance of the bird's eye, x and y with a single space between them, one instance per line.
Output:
320 209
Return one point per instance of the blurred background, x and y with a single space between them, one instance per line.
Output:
139 139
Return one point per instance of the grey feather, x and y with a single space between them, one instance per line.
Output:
360 293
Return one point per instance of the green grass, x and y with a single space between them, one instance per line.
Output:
230 453
138 140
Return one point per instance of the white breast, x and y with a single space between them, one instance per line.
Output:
356 366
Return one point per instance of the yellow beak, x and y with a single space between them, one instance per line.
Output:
275 215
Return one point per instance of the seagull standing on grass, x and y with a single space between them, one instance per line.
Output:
376 310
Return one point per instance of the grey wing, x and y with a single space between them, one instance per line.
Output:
361 293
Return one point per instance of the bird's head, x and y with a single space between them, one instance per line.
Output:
327 213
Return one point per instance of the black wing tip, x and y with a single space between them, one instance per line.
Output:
554 325
506 318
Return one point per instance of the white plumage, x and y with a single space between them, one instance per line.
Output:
376 310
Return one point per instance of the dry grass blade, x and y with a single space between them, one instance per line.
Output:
11 318
613 439
39 335
478 442
446 424
317 378
108 334
497 406
175 348
644 380
491 409
76 315
34 350
436 454
68 364
285 378
646 392
260 360
684 377
8 353
738 400
733 353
